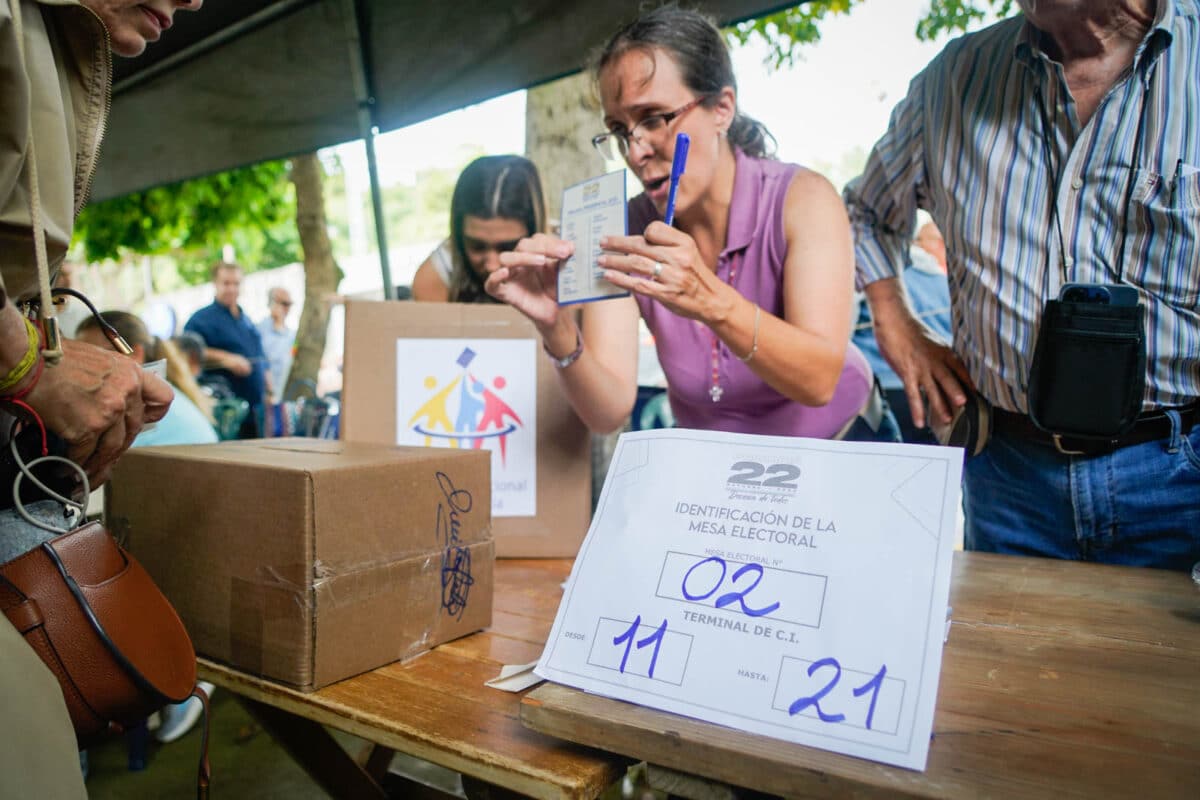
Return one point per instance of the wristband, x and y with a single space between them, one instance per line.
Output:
27 362
571 357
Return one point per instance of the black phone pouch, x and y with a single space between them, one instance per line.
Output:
1089 369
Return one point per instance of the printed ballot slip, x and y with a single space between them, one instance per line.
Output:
789 587
591 210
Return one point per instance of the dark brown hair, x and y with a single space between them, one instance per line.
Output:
697 46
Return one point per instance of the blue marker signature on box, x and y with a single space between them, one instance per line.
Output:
456 560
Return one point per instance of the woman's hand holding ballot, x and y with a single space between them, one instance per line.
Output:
528 278
665 265
595 351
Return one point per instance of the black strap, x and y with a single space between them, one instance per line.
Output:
1056 176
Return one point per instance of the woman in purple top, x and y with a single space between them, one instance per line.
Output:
749 295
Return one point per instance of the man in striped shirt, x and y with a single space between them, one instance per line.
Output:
1061 146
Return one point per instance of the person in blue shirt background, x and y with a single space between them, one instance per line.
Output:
233 344
925 282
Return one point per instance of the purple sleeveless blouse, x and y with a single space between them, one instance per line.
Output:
755 242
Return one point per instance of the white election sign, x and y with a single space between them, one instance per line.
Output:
794 588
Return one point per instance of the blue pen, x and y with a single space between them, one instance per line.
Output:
682 143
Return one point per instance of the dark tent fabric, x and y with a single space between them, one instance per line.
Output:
242 81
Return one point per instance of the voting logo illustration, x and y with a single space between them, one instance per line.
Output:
475 404
474 395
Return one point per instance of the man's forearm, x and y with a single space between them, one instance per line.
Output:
889 301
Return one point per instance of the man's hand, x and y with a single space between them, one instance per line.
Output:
97 401
931 371
239 365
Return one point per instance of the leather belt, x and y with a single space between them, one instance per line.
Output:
1150 426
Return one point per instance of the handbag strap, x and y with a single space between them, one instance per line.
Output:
204 773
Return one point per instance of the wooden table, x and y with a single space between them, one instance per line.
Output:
1059 680
436 707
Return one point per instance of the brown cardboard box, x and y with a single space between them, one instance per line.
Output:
308 561
563 443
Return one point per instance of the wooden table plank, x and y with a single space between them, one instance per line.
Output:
1058 680
435 706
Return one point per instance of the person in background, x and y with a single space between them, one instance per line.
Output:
929 294
233 345
497 202
55 71
1067 150
277 341
192 346
190 420
749 295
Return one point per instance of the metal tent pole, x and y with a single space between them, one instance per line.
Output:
365 100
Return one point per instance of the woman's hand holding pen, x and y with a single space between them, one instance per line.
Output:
665 265
527 278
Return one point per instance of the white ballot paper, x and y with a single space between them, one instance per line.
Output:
795 588
590 210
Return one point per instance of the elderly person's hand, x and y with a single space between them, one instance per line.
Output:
664 264
527 278
932 373
97 401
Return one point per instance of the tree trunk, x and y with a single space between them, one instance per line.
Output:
561 117
320 270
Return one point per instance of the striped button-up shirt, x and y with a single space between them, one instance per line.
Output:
970 145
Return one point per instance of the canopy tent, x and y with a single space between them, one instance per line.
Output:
243 81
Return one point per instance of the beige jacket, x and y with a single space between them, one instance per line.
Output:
64 84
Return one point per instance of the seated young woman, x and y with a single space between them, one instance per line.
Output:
497 202
748 295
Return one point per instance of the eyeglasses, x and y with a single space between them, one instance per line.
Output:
479 247
614 145
284 303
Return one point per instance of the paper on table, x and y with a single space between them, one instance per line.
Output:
159 368
790 587
590 211
515 677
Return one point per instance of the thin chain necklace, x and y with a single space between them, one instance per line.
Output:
716 391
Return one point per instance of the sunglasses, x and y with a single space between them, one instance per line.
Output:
478 247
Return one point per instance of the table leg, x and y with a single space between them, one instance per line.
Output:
318 753
376 760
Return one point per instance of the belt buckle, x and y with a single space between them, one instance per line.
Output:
1058 445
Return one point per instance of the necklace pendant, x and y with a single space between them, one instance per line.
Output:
716 392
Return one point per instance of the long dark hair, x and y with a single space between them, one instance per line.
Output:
490 187
697 46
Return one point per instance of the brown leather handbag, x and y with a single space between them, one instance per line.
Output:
98 621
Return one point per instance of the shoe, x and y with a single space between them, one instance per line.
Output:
179 718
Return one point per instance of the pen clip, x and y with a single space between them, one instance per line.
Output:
678 164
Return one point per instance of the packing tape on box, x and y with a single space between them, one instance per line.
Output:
271 615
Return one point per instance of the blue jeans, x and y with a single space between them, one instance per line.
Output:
888 431
1138 506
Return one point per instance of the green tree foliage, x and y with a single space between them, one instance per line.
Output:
786 32
252 208
956 16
